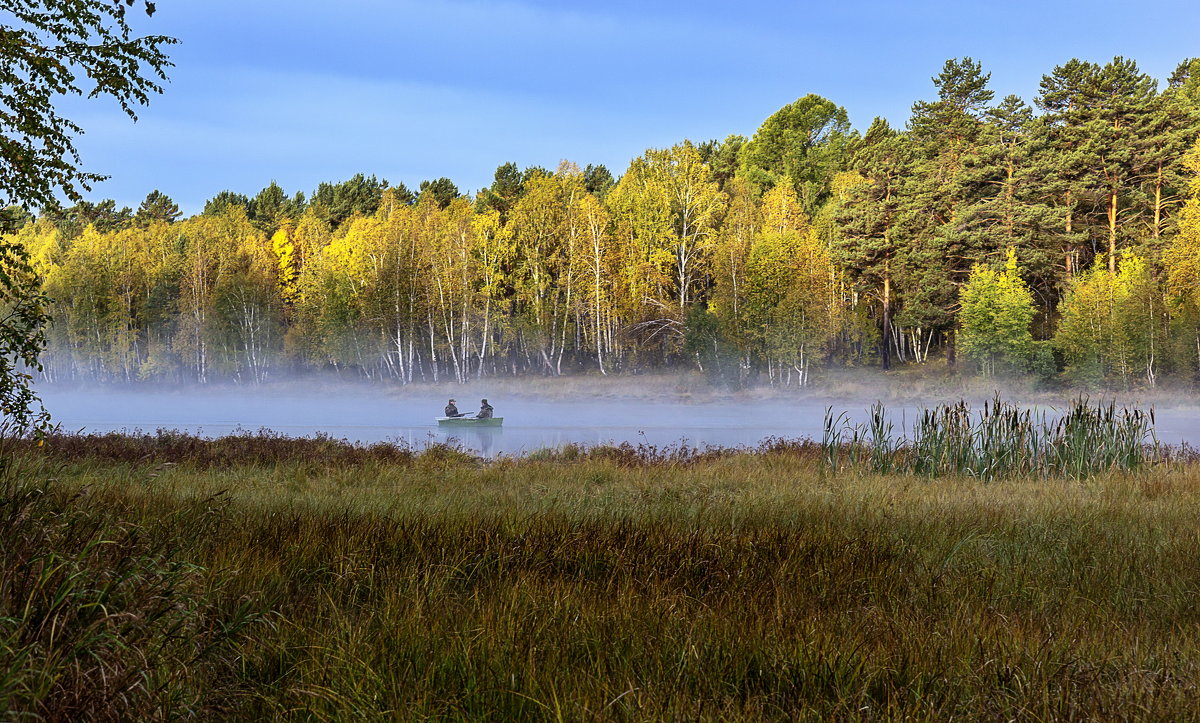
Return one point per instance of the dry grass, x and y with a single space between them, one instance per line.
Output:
613 584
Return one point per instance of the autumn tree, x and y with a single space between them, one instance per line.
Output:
728 301
1112 324
547 234
790 280
669 209
997 310
1182 261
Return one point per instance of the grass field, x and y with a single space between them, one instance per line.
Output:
258 577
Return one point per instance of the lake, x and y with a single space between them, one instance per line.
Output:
407 416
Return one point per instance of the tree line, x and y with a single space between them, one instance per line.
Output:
1060 239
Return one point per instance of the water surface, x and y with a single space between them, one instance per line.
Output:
530 422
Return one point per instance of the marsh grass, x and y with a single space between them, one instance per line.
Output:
999 440
104 619
595 584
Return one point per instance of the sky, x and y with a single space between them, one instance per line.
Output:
304 91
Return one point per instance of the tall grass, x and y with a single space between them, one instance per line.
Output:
101 618
176 579
999 440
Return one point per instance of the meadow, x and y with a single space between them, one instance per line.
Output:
260 577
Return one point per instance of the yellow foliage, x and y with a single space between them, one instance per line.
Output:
781 210
285 254
1182 257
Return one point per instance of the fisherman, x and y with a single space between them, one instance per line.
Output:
485 410
452 410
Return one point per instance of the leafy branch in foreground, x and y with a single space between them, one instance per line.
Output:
50 49
23 319
54 48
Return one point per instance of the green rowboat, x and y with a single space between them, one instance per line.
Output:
469 422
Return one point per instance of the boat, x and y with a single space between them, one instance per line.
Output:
469 422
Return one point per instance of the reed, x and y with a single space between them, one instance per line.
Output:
275 579
103 619
998 440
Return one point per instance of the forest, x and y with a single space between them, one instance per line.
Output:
1058 239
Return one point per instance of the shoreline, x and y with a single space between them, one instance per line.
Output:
903 387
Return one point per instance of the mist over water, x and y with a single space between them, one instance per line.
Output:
532 420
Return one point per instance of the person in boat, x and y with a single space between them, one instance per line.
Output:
485 410
452 410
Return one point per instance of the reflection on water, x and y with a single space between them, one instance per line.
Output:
530 423
482 440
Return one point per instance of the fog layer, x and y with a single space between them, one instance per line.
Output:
531 421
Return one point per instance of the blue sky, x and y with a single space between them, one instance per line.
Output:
304 91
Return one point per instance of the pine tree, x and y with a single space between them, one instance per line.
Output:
1010 204
217 204
507 186
598 180
272 208
723 158
803 143
1062 163
338 202
1098 114
1185 83
948 134
157 206
868 247
440 190
1172 125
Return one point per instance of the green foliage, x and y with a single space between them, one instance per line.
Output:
598 180
1112 325
218 203
337 202
157 206
440 190
52 48
997 310
509 185
1185 82
105 216
23 319
807 244
803 143
13 219
723 158
272 208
